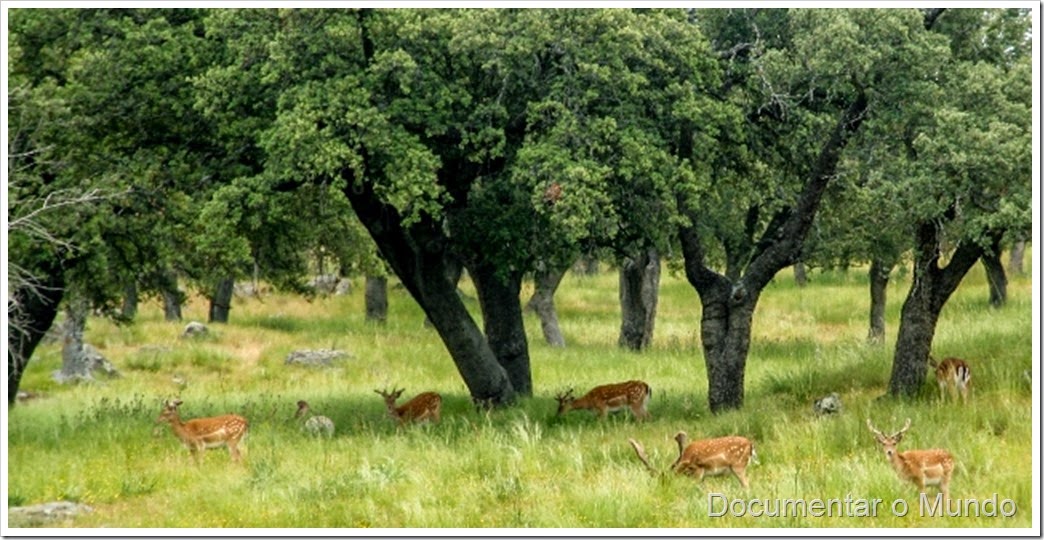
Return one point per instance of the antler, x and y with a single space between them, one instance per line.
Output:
873 429
901 431
564 395
641 455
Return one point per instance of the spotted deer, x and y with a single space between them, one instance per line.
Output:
953 374
707 457
426 406
610 397
201 433
922 467
314 424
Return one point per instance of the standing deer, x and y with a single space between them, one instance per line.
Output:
424 406
954 374
315 424
922 467
202 433
609 397
707 457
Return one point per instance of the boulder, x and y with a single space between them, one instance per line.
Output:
317 357
830 404
45 514
194 329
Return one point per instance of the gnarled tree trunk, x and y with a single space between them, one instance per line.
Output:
502 319
31 310
546 281
728 303
639 294
1015 258
880 271
376 297
995 276
932 287
130 301
221 301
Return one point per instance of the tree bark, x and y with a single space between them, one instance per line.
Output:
172 296
932 287
639 294
547 279
74 360
995 276
130 301
880 272
416 255
728 304
376 298
31 311
800 274
1015 258
221 301
503 323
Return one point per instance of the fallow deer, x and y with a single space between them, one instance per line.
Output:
201 433
423 406
953 374
922 467
610 397
315 424
707 457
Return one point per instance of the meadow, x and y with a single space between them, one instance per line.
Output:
521 466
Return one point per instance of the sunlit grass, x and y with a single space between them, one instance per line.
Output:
521 466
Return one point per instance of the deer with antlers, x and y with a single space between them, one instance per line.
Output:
952 374
424 406
922 467
707 457
201 433
610 397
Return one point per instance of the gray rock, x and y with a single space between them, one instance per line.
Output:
830 404
317 357
344 286
319 426
324 284
194 329
45 514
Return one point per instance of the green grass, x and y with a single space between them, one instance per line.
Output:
521 467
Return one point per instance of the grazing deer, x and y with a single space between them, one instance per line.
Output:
707 457
922 467
609 397
202 433
424 406
315 424
952 373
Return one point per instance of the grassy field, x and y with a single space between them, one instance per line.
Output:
522 467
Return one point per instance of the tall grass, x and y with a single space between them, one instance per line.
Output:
521 466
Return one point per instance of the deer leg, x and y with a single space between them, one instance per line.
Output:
741 476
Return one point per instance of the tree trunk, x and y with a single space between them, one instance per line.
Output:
728 304
221 302
547 280
130 301
376 298
454 271
75 366
880 271
172 296
991 261
504 326
31 311
417 256
800 274
639 293
932 287
1015 259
